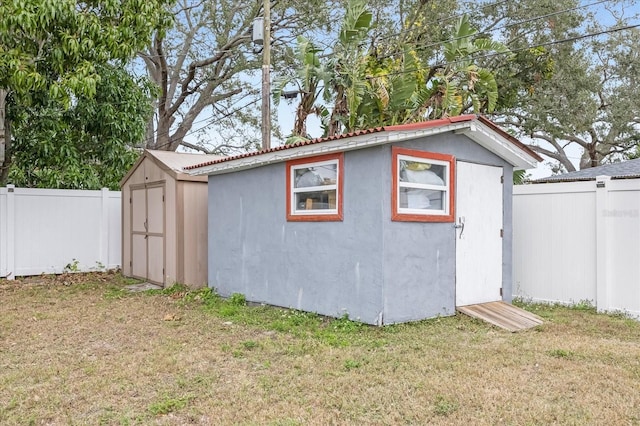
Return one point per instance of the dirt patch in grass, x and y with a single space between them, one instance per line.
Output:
84 351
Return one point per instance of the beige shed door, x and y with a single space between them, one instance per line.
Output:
138 233
147 233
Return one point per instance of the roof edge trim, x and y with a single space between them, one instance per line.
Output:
489 138
309 150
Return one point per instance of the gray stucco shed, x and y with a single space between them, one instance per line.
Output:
377 258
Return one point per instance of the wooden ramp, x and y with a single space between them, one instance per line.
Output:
502 315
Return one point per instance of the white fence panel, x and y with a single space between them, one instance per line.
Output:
48 230
578 241
554 242
4 232
114 230
622 218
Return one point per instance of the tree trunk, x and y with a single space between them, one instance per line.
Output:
163 132
590 158
340 112
150 139
302 112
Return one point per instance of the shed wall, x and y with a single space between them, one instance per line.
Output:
331 268
373 269
192 233
419 258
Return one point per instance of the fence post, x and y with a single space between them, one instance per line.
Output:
602 263
11 235
3 233
104 229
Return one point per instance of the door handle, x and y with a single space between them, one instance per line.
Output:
460 225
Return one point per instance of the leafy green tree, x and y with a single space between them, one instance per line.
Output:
456 84
53 47
348 62
310 80
89 144
566 94
338 78
554 88
373 84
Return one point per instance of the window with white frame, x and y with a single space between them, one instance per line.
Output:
423 186
314 188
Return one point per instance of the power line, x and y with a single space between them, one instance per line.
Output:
143 55
513 24
476 57
548 15
555 13
217 121
570 39
434 22
549 43
448 18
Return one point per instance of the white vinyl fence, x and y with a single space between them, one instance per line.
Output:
53 230
578 241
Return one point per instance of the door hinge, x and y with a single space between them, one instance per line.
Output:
502 179
502 233
130 263
129 200
500 291
163 198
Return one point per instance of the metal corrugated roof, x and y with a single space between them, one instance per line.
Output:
397 128
629 169
284 147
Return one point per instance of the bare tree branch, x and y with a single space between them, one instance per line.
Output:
196 147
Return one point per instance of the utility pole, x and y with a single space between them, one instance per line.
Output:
266 78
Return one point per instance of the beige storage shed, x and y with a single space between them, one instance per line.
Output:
164 220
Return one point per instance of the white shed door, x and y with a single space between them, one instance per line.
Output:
478 237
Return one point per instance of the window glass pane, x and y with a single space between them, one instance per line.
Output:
316 200
422 172
427 199
325 174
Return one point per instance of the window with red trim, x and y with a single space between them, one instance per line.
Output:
423 186
314 188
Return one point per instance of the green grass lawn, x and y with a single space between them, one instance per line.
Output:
81 350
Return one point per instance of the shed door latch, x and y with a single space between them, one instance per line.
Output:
460 225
